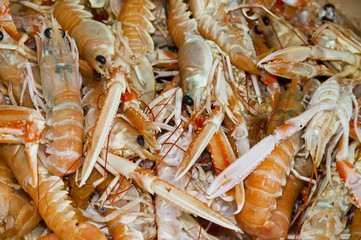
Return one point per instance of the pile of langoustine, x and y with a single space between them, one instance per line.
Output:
142 119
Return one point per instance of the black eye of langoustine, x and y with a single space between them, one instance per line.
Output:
101 59
49 32
140 140
266 20
1 36
329 12
328 6
187 100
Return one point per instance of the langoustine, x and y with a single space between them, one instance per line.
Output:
118 90
202 72
264 185
52 201
61 82
211 28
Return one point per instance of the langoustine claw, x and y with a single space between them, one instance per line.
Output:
279 63
167 191
324 98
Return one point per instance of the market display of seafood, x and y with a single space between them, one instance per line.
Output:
179 119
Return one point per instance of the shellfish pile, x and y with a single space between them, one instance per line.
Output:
172 119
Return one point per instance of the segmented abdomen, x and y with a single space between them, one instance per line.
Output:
136 18
228 42
70 14
66 134
279 222
179 22
264 185
221 34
